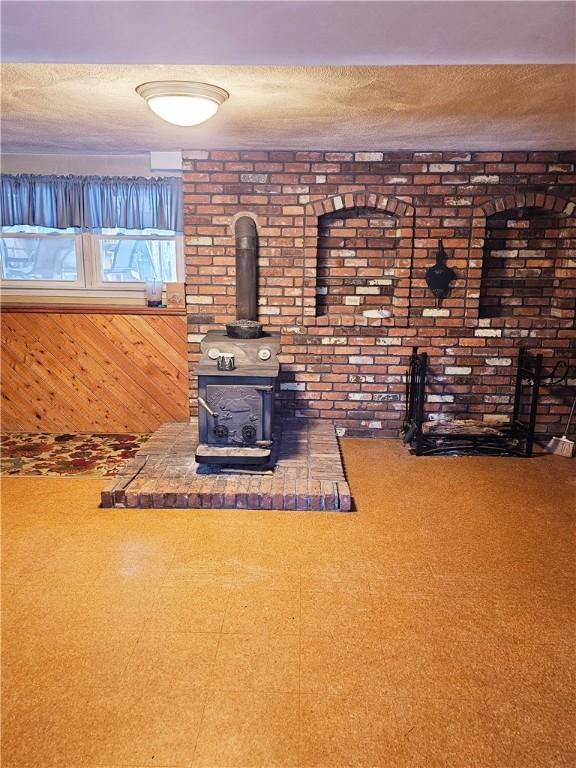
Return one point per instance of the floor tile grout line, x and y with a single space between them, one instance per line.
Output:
208 691
145 623
209 688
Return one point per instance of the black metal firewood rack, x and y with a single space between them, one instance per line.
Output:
512 438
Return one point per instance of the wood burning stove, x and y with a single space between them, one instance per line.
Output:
236 406
237 374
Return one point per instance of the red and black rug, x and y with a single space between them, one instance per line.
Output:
67 454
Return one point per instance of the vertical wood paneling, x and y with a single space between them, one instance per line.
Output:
96 372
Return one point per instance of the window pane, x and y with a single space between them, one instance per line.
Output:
124 260
38 258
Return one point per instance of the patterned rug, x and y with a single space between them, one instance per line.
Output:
67 455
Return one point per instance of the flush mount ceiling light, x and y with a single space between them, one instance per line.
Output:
181 102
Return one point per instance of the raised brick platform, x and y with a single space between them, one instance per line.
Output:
308 474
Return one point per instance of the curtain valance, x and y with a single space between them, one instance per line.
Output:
91 202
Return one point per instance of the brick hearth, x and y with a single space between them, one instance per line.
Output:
308 474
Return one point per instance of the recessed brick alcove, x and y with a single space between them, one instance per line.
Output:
524 254
342 366
308 474
356 263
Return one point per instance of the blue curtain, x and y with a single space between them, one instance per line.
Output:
91 202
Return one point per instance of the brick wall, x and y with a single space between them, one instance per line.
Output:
345 240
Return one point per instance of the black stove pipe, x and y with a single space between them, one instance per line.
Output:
246 269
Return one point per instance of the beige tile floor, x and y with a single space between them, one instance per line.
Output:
432 627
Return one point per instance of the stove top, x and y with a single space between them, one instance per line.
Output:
252 357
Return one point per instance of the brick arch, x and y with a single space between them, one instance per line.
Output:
548 202
389 204
403 211
545 201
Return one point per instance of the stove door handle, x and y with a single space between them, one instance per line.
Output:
264 388
206 407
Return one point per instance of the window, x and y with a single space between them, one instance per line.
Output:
132 256
31 256
89 235
45 261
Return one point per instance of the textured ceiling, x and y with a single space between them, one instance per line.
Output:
73 108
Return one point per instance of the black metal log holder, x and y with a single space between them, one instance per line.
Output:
513 439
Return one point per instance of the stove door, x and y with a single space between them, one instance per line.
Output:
238 412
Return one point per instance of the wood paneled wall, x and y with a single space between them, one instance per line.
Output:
85 371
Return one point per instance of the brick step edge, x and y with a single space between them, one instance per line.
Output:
333 497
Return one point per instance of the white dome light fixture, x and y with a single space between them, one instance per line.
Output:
181 102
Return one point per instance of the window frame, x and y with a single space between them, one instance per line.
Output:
80 281
96 279
89 282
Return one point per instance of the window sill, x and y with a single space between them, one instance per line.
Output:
92 309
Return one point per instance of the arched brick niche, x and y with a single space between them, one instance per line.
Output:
523 254
521 269
356 268
358 258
